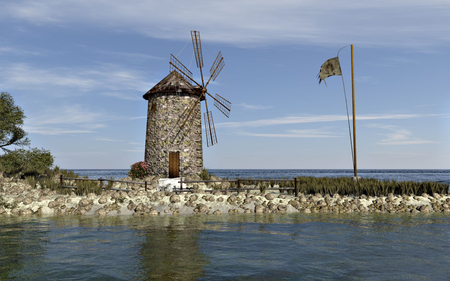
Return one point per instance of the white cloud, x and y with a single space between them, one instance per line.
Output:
66 120
106 139
253 106
107 76
249 23
397 136
316 119
308 133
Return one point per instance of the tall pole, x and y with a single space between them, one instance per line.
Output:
354 120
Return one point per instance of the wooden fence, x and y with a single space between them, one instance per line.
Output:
101 180
239 184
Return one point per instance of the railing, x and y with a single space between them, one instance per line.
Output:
101 180
239 182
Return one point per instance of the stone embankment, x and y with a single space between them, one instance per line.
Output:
19 198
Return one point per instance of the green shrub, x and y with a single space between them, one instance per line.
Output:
139 170
24 163
205 175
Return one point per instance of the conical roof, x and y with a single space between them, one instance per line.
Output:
172 83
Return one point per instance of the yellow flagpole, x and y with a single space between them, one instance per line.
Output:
354 120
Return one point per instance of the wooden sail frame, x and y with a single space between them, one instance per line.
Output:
220 102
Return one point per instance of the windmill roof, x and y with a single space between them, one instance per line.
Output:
172 83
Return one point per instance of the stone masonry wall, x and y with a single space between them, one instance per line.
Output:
162 127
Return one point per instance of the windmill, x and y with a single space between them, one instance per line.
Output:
173 143
186 119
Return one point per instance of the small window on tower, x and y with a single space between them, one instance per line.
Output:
153 106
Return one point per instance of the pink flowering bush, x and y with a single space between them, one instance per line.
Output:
139 170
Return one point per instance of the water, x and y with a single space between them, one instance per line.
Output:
229 247
232 247
398 175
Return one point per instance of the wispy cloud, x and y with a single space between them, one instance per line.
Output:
66 120
107 76
397 136
253 106
317 119
308 133
249 23
122 96
106 139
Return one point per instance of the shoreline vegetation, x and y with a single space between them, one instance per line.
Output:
44 196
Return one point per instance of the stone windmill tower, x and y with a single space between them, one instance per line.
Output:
173 145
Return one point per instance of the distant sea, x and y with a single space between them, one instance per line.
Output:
398 175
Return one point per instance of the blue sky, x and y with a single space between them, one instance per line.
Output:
79 68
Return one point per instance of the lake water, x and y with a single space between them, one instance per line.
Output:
229 247
232 247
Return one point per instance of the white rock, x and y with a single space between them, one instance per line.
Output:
168 184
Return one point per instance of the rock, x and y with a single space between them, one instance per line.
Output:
91 195
193 198
174 198
259 209
26 212
53 204
220 199
153 213
102 200
270 196
217 212
424 209
100 212
201 208
2 209
282 208
231 199
294 204
85 202
131 206
60 200
140 208
308 211
272 206
27 201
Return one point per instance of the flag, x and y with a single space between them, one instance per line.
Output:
329 68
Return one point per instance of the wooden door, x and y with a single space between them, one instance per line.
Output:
174 164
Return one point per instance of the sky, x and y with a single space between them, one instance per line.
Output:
79 69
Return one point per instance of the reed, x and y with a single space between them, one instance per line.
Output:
85 187
369 187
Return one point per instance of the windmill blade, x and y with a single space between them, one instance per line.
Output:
185 117
216 68
197 48
223 105
196 42
176 65
210 130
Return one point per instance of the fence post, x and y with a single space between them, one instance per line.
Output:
181 183
296 187
145 186
101 182
239 185
60 180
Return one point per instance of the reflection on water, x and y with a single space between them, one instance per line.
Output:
229 247
170 250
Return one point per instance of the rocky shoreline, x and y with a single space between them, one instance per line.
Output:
19 198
